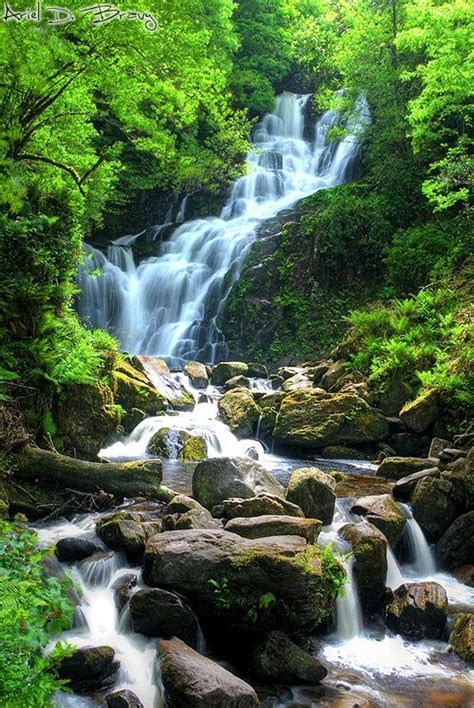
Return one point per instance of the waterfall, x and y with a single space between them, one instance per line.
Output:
394 574
169 305
422 560
348 613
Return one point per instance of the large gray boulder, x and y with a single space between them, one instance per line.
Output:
314 491
193 681
259 505
159 613
239 411
268 525
418 610
245 585
226 370
220 478
128 531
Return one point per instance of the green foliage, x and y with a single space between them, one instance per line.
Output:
333 569
33 609
228 598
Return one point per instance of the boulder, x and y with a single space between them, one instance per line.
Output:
419 414
462 636
465 574
196 519
317 372
333 374
162 380
398 467
123 699
220 478
194 681
75 548
418 610
127 531
460 474
226 370
384 513
296 382
237 382
258 371
403 487
437 445
259 505
279 660
197 374
133 390
269 525
159 613
456 545
311 419
239 411
433 506
342 452
180 504
241 584
286 372
194 449
122 588
89 669
314 491
369 547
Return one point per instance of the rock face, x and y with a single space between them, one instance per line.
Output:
239 411
133 390
384 514
193 680
314 491
268 525
369 547
127 531
89 669
197 373
75 548
259 505
398 467
244 585
159 613
433 506
279 660
456 545
418 610
462 637
226 370
311 419
220 478
419 414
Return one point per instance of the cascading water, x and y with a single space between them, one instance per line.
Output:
170 304
422 559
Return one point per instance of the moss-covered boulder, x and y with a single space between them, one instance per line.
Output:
237 382
384 513
462 636
460 474
433 506
269 525
128 531
419 414
311 419
89 669
173 444
197 374
226 370
194 449
456 545
314 491
398 467
279 660
335 372
133 391
296 382
162 380
240 584
160 613
418 610
259 505
369 547
239 411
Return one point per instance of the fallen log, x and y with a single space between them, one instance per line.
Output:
120 479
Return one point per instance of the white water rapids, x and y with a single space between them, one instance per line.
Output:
169 305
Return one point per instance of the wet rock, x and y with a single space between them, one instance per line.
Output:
407 444
159 613
456 545
268 525
419 414
226 370
220 478
194 681
462 637
122 588
460 475
194 449
279 660
197 374
433 506
369 547
89 669
133 391
297 382
384 513
403 487
160 378
258 371
123 699
398 467
333 374
437 445
311 419
237 382
465 574
75 548
239 411
225 576
418 610
180 504
196 519
314 491
259 505
127 531
343 452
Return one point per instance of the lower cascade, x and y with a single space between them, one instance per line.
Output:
169 305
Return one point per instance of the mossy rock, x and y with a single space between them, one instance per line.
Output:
197 374
226 370
399 467
384 513
342 452
133 393
314 491
194 449
369 547
462 636
278 659
433 506
419 414
239 411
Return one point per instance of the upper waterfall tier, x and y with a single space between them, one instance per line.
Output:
169 305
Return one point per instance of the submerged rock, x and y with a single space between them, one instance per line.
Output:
369 547
268 525
244 585
220 478
462 636
433 506
160 613
278 659
398 467
418 610
194 681
89 669
312 419
456 545
314 491
75 548
259 505
384 513
239 411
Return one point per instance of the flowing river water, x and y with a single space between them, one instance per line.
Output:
169 305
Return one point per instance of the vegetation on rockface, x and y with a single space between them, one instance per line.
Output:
33 609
